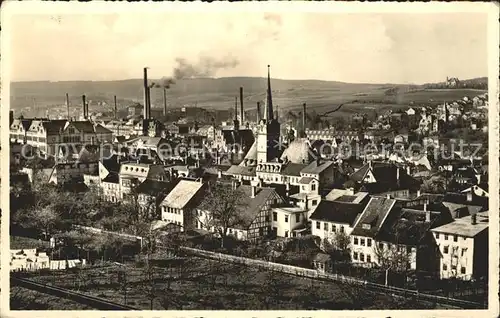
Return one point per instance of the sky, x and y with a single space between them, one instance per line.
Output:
357 48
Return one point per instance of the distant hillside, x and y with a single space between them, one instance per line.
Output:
220 93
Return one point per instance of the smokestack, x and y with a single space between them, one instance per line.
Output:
236 123
164 101
84 107
116 108
146 91
242 113
67 104
258 112
149 102
304 118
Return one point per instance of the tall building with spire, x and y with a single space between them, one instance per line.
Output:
268 130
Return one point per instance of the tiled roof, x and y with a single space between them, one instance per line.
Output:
374 214
83 126
306 180
101 130
336 212
316 168
54 126
112 178
241 170
154 187
293 169
252 206
182 194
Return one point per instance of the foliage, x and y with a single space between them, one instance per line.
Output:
435 184
224 205
338 247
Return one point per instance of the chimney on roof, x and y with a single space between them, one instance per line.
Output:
425 206
427 216
418 193
388 196
242 112
473 219
258 112
469 196
254 184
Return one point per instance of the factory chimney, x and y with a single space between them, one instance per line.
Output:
116 108
146 94
84 107
67 104
242 112
164 101
258 112
236 123
303 132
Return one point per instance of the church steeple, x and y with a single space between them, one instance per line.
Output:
269 112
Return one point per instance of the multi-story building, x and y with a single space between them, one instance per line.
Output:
18 130
132 174
72 172
338 216
463 247
289 221
179 205
45 135
86 132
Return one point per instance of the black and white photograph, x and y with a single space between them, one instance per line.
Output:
250 158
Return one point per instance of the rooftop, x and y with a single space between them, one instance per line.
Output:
336 212
182 193
464 227
373 215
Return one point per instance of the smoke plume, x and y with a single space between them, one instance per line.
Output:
205 67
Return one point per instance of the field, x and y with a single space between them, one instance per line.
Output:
202 284
26 299
320 96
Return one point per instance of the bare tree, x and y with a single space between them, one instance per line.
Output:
338 246
223 205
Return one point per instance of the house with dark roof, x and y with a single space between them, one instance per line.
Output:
480 190
45 134
72 172
150 194
18 129
332 217
380 177
366 228
325 171
86 132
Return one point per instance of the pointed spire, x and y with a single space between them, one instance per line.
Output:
269 112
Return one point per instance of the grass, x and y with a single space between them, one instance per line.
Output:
21 242
26 299
206 285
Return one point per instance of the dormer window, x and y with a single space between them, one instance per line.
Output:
366 226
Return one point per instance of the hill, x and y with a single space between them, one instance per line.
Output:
219 93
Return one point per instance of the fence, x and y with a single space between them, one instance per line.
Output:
313 274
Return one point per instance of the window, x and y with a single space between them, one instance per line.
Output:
362 257
462 270
368 258
286 233
445 267
369 242
313 187
325 226
275 216
381 246
362 242
355 255
341 229
437 235
445 250
267 218
453 267
297 218
286 218
318 225
446 237
464 250
356 241
334 228
261 232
